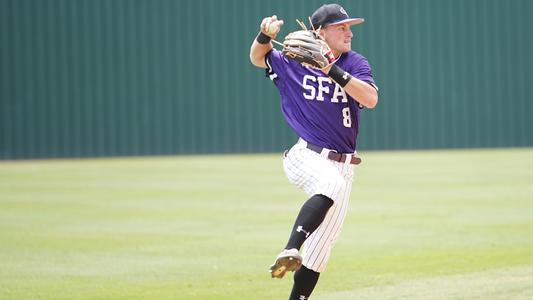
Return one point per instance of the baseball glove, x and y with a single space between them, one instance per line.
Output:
308 48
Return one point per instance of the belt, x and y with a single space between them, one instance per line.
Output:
336 156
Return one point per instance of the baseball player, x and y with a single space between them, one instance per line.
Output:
322 105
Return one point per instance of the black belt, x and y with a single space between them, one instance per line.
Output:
336 156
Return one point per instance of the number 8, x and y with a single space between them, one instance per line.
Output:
347 120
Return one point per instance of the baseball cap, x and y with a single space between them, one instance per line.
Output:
332 14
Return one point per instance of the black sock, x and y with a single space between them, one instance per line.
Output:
304 282
310 217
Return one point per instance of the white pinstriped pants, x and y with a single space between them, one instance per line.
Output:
316 174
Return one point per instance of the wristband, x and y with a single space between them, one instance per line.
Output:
263 38
339 75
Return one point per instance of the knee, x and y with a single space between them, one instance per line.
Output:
321 202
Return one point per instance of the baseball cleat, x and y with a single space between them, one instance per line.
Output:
287 260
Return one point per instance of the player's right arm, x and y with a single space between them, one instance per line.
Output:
270 26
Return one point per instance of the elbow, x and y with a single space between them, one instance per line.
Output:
255 59
258 60
252 59
252 56
258 53
372 101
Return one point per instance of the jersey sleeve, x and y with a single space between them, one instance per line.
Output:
276 64
362 71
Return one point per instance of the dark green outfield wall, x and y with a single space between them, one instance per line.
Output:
142 77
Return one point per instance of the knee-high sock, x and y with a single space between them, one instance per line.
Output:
304 282
310 217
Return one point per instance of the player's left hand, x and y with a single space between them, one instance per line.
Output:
308 48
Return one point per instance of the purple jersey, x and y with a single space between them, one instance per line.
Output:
316 107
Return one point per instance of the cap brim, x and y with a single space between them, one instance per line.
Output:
350 22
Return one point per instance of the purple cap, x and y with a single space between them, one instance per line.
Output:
332 14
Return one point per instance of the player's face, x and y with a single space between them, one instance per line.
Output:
339 38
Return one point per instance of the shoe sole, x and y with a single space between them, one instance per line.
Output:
285 264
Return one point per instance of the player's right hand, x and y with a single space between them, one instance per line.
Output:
271 26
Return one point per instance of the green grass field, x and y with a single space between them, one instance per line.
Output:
421 225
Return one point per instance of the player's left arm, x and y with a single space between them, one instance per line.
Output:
365 93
